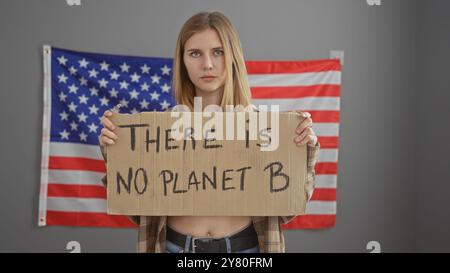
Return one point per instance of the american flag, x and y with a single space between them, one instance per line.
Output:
312 86
80 86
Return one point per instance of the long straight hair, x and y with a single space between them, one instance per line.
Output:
236 87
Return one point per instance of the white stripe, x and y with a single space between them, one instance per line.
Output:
321 207
72 177
99 205
327 155
77 204
325 181
326 128
46 122
306 104
75 150
300 79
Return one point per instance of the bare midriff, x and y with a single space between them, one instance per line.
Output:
208 226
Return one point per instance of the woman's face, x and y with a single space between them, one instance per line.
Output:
203 56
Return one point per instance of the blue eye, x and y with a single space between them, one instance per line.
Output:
194 52
219 51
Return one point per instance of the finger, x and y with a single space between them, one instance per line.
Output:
105 140
100 140
109 134
303 114
108 123
307 139
307 122
301 137
107 113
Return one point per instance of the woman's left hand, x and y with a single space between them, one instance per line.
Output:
304 131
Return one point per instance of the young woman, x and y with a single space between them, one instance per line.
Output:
209 63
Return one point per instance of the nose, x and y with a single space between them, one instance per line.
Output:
207 62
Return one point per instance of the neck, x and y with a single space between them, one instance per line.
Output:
209 98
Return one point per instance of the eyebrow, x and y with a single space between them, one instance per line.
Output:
196 49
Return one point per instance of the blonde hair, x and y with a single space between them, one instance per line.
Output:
236 87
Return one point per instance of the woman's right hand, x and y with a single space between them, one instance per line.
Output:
107 136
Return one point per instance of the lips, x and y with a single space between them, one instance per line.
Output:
208 77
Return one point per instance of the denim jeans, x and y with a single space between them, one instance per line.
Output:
174 248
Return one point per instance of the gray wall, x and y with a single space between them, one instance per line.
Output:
432 128
386 191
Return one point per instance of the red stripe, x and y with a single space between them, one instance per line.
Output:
328 142
324 194
326 168
311 222
61 218
292 92
324 116
76 163
271 67
82 191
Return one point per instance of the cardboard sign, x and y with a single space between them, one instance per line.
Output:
152 173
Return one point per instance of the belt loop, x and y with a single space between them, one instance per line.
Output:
227 241
187 243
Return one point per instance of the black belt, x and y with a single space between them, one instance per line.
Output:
244 239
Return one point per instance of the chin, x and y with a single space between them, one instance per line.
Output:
209 89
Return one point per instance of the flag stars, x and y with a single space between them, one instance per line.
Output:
135 77
124 102
104 101
134 111
145 69
73 88
73 126
83 99
164 105
124 67
145 86
134 94
62 96
62 78
165 88
144 104
83 136
93 128
114 75
72 107
155 78
104 66
93 73
83 63
72 70
83 81
82 117
64 134
154 95
94 91
165 70
64 115
93 109
62 60
123 85
113 93
103 82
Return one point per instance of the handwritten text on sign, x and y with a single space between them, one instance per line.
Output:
151 173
